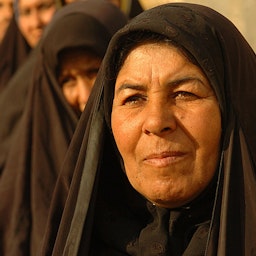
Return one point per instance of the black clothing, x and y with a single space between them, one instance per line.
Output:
14 51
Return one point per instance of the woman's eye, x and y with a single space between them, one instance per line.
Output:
134 99
45 6
24 12
185 95
66 81
91 74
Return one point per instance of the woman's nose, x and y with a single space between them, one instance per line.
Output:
35 18
83 92
159 119
9 12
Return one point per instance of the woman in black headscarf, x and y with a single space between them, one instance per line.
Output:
18 59
107 211
47 125
22 35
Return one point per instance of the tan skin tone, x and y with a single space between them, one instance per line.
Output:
115 2
6 12
34 15
78 71
166 123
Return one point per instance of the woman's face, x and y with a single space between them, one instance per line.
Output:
6 12
78 69
33 16
166 123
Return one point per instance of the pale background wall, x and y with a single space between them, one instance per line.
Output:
241 12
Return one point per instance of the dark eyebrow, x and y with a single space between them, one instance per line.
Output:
132 87
173 83
185 80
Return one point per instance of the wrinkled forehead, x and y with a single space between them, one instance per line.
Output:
189 30
185 28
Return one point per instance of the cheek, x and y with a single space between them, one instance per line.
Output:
126 133
207 134
69 94
23 26
210 131
203 123
47 16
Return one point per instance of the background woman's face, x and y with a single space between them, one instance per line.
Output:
78 69
6 12
33 16
167 125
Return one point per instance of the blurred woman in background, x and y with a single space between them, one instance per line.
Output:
68 60
23 34
6 13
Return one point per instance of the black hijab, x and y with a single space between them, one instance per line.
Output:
47 125
14 50
94 189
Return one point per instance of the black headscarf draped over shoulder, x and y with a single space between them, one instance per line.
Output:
97 211
47 125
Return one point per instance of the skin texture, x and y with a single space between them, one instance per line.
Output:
166 123
6 12
77 74
33 16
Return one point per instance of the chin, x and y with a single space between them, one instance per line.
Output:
175 202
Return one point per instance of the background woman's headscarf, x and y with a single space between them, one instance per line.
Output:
14 50
47 125
230 64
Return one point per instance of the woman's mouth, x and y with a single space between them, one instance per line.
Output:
164 159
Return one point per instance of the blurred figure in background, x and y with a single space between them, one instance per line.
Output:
14 51
77 71
32 17
6 13
67 61
23 34
16 65
17 61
